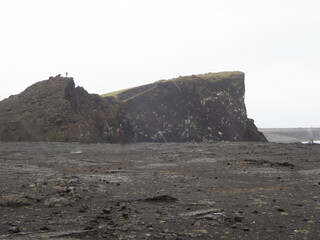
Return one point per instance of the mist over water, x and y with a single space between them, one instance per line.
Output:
291 135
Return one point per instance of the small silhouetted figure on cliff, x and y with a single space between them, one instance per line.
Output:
66 74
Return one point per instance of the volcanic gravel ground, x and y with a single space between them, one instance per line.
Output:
159 191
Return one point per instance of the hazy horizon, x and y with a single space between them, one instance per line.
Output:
112 45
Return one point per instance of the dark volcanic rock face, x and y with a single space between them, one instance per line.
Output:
54 110
207 107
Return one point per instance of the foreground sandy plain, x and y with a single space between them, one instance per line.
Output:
159 191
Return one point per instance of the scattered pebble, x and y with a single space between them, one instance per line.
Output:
238 219
14 229
106 211
83 208
99 216
88 228
44 228
209 217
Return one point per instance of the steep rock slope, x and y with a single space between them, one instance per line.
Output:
54 110
206 107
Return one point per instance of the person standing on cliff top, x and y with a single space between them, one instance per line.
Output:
66 74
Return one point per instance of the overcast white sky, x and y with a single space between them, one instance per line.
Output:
108 45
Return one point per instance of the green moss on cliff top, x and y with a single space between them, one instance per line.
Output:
222 76
113 94
212 77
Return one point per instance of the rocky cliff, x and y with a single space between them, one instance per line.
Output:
54 110
206 107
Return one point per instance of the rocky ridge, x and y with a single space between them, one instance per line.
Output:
200 108
56 110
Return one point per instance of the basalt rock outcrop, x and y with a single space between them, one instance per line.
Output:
206 107
201 108
56 110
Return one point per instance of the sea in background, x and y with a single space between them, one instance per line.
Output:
292 135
